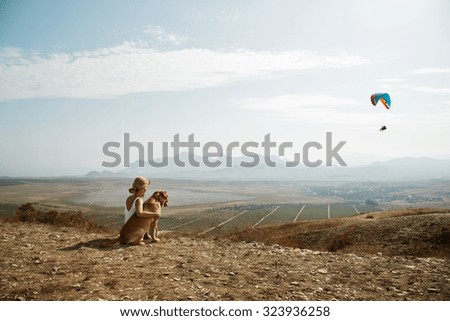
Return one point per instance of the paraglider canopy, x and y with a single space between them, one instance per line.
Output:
383 97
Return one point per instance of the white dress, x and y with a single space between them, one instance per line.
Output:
129 213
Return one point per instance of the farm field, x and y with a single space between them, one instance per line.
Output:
213 208
229 220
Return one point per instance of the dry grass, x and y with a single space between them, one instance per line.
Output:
411 232
409 211
339 242
27 213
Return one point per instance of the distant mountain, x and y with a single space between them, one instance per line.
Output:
407 168
413 168
103 173
190 161
363 159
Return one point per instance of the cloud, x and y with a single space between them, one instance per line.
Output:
431 71
315 109
163 36
288 103
391 80
225 16
432 90
136 68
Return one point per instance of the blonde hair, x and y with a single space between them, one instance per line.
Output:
139 182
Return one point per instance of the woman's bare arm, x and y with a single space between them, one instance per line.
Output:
145 214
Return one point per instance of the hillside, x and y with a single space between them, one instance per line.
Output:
48 262
415 232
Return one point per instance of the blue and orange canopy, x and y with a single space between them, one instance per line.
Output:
383 97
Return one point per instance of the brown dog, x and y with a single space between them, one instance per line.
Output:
134 230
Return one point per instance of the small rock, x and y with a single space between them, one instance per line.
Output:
323 271
295 283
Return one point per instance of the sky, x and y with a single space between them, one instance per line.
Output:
77 75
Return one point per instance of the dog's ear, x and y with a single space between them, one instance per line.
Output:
165 198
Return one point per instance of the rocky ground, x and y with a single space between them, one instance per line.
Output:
45 262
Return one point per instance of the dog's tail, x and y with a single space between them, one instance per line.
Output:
111 243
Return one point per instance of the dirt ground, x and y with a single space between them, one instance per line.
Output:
45 262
